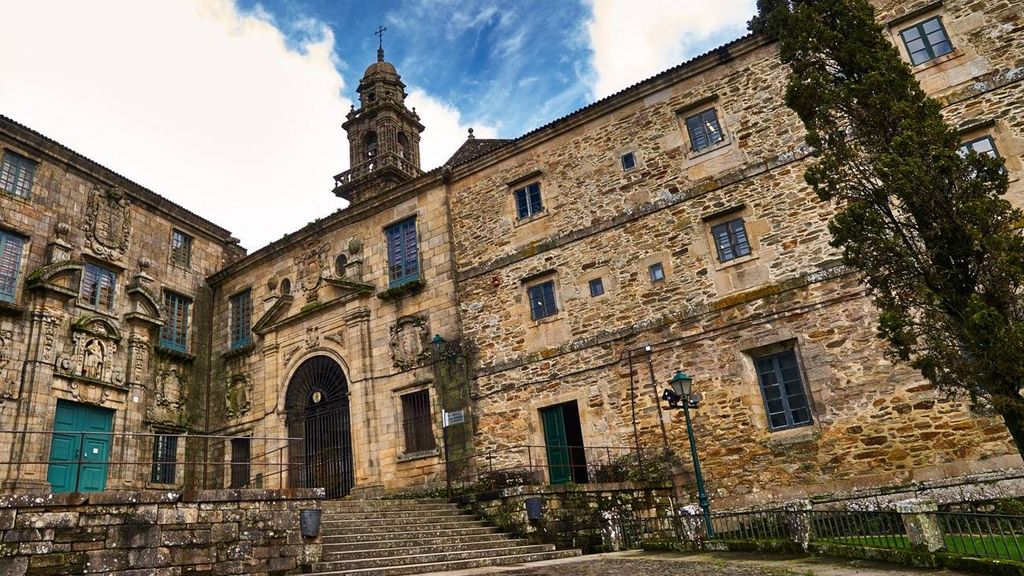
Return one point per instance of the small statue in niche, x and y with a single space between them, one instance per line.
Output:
92 360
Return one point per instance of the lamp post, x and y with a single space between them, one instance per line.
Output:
681 396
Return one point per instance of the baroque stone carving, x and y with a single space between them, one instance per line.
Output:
94 346
312 337
107 223
408 341
138 351
338 338
172 387
314 267
290 353
239 395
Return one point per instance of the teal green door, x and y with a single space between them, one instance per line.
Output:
80 449
556 441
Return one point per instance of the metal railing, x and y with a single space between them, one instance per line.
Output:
752 525
89 461
985 535
871 529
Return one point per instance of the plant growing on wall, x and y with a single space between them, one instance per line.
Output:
927 227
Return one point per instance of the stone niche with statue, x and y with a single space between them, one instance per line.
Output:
92 354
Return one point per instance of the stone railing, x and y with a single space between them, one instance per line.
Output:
360 171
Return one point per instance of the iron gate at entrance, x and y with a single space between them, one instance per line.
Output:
317 412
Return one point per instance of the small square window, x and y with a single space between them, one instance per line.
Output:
416 422
926 41
596 287
628 161
98 286
542 300
731 240
656 272
983 145
181 249
528 201
704 130
17 174
782 388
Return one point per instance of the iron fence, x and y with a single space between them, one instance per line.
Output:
643 532
93 461
872 529
751 525
985 535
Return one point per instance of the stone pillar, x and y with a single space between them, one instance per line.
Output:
798 522
363 416
921 525
691 525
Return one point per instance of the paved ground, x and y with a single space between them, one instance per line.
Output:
716 564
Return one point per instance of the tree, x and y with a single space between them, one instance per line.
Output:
927 226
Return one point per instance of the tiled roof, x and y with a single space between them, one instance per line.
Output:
474 148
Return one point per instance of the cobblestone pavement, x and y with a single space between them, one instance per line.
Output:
717 564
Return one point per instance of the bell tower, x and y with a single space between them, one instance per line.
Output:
383 135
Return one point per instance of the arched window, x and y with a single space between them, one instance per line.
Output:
403 146
371 144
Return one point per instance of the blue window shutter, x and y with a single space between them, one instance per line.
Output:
402 253
522 204
10 263
536 206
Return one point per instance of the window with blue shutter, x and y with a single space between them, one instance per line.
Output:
528 201
731 240
542 300
98 285
783 390
704 130
11 246
241 319
16 174
926 41
403 253
174 332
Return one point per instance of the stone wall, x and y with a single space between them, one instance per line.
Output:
157 533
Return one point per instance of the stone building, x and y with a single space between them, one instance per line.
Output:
546 288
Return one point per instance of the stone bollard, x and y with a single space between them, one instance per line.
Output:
798 522
691 523
921 525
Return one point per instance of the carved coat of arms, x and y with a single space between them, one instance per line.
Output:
313 267
408 341
108 223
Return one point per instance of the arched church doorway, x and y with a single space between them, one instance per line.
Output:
317 412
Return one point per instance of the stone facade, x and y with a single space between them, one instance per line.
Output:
575 268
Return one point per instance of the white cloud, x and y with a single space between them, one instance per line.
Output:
445 129
637 39
218 110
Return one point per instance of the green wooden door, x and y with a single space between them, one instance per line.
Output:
559 469
80 449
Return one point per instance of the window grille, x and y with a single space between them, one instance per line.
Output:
731 240
542 300
403 253
165 458
181 249
416 422
17 174
926 41
241 456
704 130
98 285
528 201
174 332
11 247
783 390
241 319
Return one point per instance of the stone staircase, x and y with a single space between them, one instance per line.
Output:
394 537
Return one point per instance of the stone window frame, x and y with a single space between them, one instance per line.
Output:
159 468
719 217
535 280
934 10
1003 141
403 454
608 281
777 341
20 155
172 343
19 278
663 258
523 181
84 302
699 106
784 392
181 254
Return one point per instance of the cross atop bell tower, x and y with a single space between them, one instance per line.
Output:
383 134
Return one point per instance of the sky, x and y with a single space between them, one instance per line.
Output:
233 108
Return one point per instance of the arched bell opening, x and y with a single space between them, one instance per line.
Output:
317 414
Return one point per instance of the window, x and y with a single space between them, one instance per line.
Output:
596 287
10 264
656 272
403 253
528 202
926 41
16 174
542 300
731 240
174 332
704 130
340 265
165 457
286 287
628 161
241 318
181 249
983 145
98 286
416 423
783 390
241 454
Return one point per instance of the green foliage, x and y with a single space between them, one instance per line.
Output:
929 229
648 468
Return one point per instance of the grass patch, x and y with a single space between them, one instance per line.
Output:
991 546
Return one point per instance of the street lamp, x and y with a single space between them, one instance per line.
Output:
681 396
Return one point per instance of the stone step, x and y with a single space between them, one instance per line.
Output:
446 539
394 514
386 548
414 535
342 522
423 568
385 504
430 558
356 528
